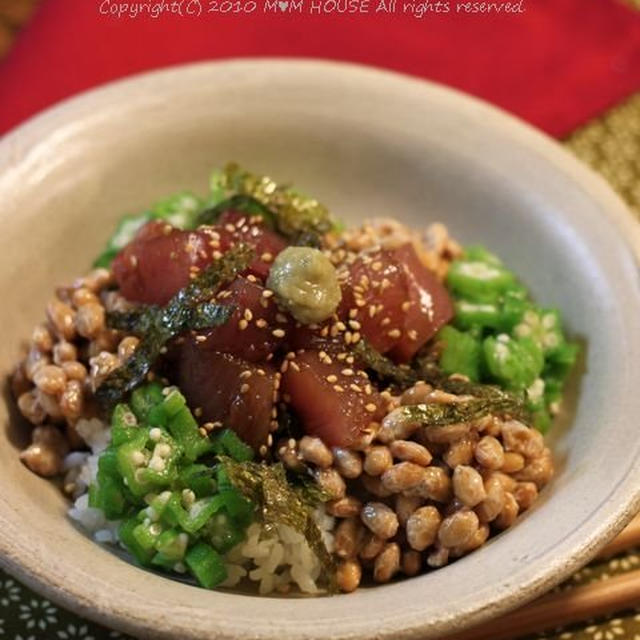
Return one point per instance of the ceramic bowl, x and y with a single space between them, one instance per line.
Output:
367 143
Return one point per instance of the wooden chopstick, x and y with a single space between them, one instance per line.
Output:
561 608
565 607
627 538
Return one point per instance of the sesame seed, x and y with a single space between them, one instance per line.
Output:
245 374
355 337
331 379
248 316
370 407
203 432
263 450
252 278
201 338
347 372
278 333
406 306
353 313
385 322
242 324
355 387
197 412
261 323
360 302
368 390
354 324
216 255
266 257
284 367
377 265
413 334
394 333
338 388
244 388
270 438
267 293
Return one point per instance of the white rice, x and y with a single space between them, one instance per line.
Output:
81 469
277 560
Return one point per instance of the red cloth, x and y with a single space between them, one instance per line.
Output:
557 64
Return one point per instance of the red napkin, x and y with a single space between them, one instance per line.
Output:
556 64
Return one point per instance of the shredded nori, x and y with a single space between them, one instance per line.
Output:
438 415
497 400
402 376
300 219
484 399
189 308
238 202
281 502
140 320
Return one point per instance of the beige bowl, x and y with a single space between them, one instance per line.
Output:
368 143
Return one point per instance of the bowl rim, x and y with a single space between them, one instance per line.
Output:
16 144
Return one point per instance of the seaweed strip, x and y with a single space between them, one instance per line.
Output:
300 219
401 375
281 503
485 399
187 307
238 202
438 415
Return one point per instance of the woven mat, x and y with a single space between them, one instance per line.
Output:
611 145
